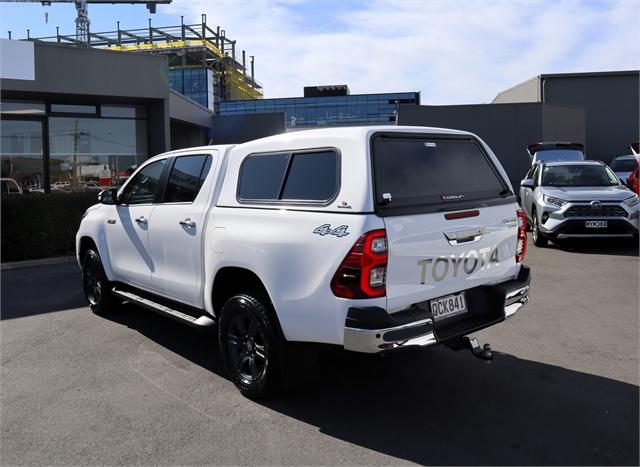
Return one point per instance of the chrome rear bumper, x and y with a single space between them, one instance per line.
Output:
385 332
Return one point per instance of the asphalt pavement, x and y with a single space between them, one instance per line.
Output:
137 388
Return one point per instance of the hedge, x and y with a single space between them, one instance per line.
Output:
41 226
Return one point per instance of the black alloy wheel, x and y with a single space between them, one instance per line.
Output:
247 347
250 345
95 284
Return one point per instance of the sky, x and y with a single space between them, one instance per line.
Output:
453 52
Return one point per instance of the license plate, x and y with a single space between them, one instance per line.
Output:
451 305
596 224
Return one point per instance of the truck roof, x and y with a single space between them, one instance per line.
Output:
354 132
351 132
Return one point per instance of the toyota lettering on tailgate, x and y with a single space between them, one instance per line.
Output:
466 263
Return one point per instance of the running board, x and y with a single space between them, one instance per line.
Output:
202 321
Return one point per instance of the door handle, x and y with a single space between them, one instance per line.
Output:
456 237
188 223
141 220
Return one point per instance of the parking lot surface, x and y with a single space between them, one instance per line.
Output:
136 388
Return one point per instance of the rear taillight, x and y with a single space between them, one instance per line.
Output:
521 246
363 272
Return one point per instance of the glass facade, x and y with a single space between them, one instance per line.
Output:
46 147
22 154
356 109
197 84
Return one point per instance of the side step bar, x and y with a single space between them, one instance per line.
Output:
202 321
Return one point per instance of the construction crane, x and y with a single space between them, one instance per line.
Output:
82 8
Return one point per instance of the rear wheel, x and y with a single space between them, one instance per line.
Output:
538 237
250 345
95 284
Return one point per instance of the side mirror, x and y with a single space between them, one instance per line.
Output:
528 183
109 196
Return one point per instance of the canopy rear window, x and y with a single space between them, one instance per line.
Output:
425 174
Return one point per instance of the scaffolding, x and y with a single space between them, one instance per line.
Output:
186 46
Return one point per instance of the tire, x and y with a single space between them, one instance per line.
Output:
251 346
539 239
95 285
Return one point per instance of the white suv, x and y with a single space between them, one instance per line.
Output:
369 238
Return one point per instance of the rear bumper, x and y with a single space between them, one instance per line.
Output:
373 330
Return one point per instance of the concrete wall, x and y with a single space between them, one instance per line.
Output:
529 91
506 128
76 70
611 103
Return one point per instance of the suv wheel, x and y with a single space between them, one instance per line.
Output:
95 284
539 239
250 345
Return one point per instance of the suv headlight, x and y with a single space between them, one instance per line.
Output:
554 201
632 201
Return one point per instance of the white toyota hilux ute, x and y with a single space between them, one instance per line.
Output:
369 238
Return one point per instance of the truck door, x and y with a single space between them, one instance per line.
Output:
176 233
127 226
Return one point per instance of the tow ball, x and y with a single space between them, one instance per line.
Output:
483 353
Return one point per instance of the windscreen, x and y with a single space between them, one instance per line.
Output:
425 173
578 175
567 155
624 165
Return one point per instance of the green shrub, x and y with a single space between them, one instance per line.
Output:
41 226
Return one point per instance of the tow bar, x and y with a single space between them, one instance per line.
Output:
471 343
483 353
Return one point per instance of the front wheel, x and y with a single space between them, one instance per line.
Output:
538 237
250 345
95 284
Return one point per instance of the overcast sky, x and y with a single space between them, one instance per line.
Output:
453 52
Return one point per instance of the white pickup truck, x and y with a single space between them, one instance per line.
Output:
368 238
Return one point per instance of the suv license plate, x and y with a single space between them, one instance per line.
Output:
450 305
596 224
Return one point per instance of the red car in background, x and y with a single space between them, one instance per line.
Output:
633 182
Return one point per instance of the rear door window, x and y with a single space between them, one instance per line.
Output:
422 174
186 178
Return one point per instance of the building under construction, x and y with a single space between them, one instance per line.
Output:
204 64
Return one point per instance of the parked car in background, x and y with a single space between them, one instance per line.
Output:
583 198
8 186
635 148
633 182
93 186
556 151
622 166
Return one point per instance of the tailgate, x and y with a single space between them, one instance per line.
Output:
430 256
449 215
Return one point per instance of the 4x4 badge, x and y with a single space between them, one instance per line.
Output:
325 229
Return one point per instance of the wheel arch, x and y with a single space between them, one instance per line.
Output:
232 280
85 243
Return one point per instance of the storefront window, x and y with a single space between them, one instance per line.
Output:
93 153
21 156
74 109
21 108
